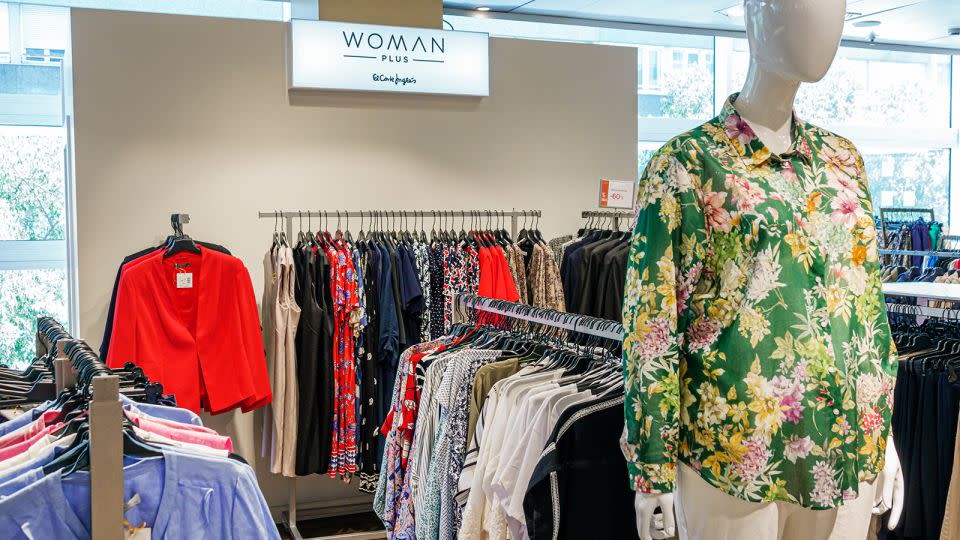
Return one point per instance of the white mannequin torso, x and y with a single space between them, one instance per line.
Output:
791 41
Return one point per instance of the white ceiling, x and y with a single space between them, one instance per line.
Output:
915 22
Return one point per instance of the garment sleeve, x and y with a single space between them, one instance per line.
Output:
250 514
123 340
252 341
662 270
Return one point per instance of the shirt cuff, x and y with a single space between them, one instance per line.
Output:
652 478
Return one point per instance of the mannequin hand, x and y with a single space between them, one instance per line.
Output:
645 504
890 487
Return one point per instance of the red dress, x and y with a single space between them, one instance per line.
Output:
199 336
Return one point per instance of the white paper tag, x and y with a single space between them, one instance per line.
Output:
184 281
140 533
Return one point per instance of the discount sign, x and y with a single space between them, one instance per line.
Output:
616 194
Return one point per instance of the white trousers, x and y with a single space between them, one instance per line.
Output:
706 513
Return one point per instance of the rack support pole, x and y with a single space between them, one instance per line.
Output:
106 459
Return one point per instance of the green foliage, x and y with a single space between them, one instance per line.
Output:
689 94
32 207
32 201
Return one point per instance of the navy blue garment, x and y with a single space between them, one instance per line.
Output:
389 340
411 296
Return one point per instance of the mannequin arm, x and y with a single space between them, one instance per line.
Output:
890 488
645 504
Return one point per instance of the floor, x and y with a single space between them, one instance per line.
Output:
339 525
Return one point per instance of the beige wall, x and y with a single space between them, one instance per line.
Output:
189 114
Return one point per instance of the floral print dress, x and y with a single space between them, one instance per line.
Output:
757 347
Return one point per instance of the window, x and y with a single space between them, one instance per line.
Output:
895 106
33 157
864 87
4 33
668 87
910 178
270 10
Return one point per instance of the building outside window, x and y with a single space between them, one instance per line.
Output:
33 174
897 107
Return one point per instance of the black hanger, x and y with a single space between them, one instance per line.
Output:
181 243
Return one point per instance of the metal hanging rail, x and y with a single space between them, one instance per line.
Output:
514 215
580 324
884 214
290 516
615 215
915 253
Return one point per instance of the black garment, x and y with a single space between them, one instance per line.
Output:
307 343
436 290
591 266
108 328
613 276
369 394
569 269
326 374
579 485
924 424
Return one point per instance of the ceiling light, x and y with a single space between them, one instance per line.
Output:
866 24
483 8
734 11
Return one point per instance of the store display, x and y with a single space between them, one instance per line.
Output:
758 356
924 424
593 267
187 315
179 479
484 421
340 311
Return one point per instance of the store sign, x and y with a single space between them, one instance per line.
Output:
368 58
616 194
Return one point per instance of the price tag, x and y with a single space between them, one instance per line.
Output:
616 194
138 533
184 281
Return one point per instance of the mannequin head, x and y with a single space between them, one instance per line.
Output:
795 39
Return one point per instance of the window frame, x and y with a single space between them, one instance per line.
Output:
35 115
658 129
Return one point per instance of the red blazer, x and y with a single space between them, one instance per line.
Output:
201 340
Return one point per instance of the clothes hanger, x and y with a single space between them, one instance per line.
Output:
181 243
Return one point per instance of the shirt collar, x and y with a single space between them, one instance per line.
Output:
750 147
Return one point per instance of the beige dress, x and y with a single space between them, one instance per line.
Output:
291 400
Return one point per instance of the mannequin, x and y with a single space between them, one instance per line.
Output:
791 41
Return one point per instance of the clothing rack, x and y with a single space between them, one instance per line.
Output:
514 215
615 215
106 426
884 212
924 291
290 516
928 253
579 324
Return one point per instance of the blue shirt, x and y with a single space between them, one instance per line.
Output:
182 496
159 411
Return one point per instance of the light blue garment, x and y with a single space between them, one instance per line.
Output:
21 477
159 411
164 412
181 496
28 416
36 463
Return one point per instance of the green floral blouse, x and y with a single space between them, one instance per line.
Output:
757 346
